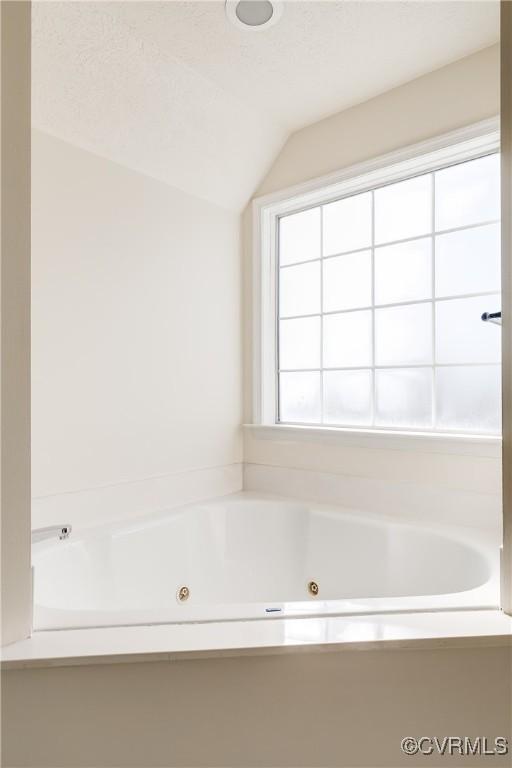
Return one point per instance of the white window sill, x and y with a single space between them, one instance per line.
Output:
423 442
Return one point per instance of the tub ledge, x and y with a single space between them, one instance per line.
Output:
268 636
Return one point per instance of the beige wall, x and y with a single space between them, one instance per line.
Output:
456 95
15 319
135 325
338 708
449 98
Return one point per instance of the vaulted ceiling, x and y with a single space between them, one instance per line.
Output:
173 90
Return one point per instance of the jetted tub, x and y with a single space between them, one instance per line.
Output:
249 556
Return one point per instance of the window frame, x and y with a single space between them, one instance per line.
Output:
458 146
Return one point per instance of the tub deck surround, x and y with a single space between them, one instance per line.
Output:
251 556
409 501
169 642
90 507
454 479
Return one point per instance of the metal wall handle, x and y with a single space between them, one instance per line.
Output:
492 317
50 532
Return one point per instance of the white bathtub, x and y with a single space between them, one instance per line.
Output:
248 556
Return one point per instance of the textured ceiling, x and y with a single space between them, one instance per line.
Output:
173 90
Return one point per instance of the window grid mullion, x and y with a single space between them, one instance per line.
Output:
387 244
397 367
391 305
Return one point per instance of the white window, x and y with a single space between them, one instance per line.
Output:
374 297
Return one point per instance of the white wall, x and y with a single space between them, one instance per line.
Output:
135 333
427 484
125 269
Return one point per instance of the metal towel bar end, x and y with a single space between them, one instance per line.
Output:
492 317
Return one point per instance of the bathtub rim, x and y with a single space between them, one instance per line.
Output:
189 641
136 644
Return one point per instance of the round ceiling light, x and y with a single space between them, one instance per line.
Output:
253 15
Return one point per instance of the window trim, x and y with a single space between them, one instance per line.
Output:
451 148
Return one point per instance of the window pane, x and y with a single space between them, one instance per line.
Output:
348 397
377 247
299 237
348 224
299 343
348 281
469 398
299 395
461 336
404 398
403 272
403 335
347 340
403 210
468 261
468 193
299 290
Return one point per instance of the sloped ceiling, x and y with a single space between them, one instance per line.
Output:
173 90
